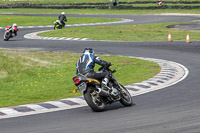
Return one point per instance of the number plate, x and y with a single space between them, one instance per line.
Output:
82 87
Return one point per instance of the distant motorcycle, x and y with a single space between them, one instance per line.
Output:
96 97
159 3
58 25
9 33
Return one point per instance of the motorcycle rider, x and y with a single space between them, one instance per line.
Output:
13 28
86 63
159 3
62 18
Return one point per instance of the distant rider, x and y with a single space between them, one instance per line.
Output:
159 3
62 19
86 63
13 28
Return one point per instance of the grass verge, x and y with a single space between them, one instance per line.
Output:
42 21
96 11
139 32
35 76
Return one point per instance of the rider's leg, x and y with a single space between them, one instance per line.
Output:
63 24
101 75
104 83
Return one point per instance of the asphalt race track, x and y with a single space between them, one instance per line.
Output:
175 109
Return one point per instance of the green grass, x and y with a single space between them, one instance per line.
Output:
34 76
38 21
96 11
139 32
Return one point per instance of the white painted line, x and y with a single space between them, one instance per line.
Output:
58 104
8 111
83 39
77 100
35 107
68 39
61 38
143 83
76 39
55 38
149 82
135 87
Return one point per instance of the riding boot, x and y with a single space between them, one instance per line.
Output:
104 84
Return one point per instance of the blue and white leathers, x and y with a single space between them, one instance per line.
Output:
86 63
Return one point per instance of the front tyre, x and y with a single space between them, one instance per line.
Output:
94 100
7 36
126 98
56 26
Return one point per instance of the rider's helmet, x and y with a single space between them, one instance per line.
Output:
14 25
63 13
88 51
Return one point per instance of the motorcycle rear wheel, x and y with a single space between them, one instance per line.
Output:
126 98
93 100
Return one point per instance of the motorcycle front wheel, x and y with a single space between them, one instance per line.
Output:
126 98
56 27
7 36
94 100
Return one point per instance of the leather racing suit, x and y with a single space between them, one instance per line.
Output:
62 19
85 65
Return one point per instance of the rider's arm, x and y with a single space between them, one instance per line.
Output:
65 19
15 31
101 62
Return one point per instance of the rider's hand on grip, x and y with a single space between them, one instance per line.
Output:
109 64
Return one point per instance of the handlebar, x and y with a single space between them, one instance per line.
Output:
114 71
106 67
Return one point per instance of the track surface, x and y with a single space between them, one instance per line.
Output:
175 109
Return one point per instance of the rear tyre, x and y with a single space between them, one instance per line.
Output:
62 27
94 100
126 98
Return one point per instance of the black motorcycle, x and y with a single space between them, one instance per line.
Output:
96 97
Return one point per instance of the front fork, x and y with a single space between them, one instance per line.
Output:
119 88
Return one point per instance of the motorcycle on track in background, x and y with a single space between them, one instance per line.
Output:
9 33
96 97
58 25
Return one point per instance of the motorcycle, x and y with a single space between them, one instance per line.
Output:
159 3
96 97
8 34
58 25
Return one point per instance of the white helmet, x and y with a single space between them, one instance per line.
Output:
63 13
14 25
